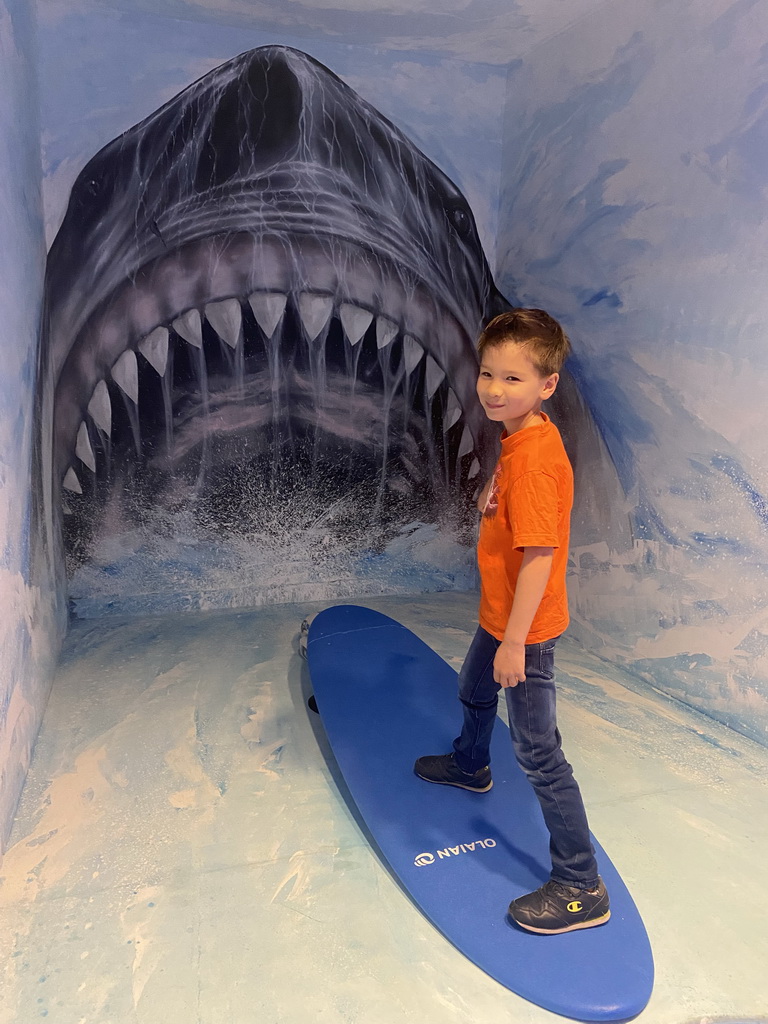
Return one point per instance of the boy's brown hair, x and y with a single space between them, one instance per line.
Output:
542 336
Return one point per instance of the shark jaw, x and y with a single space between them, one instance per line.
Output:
241 369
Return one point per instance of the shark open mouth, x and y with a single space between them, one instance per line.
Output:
260 317
307 377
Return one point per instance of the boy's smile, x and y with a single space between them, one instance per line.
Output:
510 388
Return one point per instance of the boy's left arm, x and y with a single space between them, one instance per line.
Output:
509 663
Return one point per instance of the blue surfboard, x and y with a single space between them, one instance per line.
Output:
385 698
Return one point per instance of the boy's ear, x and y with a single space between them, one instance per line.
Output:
549 385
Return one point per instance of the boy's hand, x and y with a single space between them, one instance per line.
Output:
509 664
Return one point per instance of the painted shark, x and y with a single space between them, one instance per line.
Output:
269 215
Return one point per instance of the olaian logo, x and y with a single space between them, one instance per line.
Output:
422 860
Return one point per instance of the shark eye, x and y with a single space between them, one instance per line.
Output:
91 192
459 216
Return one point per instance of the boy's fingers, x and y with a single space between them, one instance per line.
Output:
508 681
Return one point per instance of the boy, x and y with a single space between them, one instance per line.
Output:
522 554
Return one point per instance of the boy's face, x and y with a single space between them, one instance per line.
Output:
510 387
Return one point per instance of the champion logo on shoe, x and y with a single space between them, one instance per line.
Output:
555 908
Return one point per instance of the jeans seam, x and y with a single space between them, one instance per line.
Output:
479 677
470 699
476 736
552 791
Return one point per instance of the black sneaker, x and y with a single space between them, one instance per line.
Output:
442 769
556 908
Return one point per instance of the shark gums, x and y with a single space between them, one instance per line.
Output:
260 317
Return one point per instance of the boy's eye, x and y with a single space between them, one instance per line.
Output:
513 378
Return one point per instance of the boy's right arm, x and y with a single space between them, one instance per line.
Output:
509 663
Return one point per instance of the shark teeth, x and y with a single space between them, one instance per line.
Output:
435 375
100 408
386 331
452 411
315 312
71 483
412 353
189 327
226 318
154 348
83 449
355 320
467 444
268 308
125 374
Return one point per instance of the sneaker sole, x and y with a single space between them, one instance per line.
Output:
456 785
561 931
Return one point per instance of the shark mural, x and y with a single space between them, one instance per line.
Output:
260 316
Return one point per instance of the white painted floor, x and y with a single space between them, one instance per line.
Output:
184 854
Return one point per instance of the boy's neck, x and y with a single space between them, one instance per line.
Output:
531 419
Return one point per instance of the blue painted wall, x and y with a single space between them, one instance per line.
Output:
635 180
29 628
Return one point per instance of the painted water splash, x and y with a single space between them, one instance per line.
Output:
137 574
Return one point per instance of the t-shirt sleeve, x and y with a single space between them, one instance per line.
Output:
533 510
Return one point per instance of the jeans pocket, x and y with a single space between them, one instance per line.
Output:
548 646
540 659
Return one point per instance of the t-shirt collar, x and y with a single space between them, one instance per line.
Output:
508 440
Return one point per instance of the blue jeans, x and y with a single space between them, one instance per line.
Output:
536 740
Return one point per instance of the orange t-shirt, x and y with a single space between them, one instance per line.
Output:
528 505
